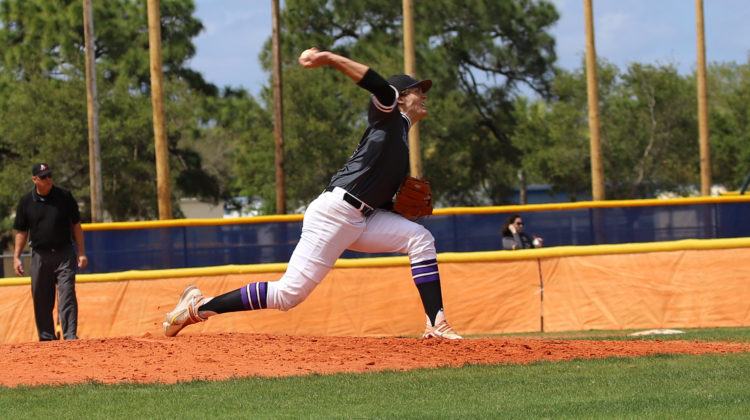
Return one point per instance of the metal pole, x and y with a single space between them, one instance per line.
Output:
415 155
157 101
278 127
597 171
95 164
703 133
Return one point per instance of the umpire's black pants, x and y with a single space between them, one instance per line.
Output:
50 268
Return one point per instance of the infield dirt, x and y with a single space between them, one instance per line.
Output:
149 359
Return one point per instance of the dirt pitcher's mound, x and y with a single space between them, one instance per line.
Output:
148 359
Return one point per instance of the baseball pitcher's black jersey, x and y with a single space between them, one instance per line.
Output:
48 219
375 170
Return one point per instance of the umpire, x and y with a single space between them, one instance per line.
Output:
49 217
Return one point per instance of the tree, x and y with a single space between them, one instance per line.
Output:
477 53
648 132
729 90
43 120
553 138
237 140
649 127
43 37
44 113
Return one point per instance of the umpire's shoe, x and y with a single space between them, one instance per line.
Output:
186 311
441 329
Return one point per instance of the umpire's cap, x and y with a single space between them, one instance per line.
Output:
40 169
404 81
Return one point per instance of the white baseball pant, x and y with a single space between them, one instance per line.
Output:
330 226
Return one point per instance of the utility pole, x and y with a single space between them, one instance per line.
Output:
415 153
703 133
157 102
597 170
278 109
95 164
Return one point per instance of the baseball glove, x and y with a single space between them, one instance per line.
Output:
413 199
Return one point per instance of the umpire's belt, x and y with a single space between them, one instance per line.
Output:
358 204
56 249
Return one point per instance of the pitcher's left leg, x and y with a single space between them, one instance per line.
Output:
390 232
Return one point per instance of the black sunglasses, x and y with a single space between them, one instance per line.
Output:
45 176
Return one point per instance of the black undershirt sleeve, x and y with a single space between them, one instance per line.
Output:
378 86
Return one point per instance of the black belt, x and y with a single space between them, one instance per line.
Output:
50 249
356 203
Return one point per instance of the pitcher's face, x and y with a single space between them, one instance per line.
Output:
412 103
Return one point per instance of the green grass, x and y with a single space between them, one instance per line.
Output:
663 387
734 334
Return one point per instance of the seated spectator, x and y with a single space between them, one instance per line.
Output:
515 238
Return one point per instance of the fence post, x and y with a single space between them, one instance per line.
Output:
541 295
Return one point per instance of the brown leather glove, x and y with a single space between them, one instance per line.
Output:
413 199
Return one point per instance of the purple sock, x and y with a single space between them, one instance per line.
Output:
425 271
254 295
427 279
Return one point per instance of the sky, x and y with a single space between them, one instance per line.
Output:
656 32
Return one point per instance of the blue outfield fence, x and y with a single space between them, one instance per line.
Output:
455 230
190 246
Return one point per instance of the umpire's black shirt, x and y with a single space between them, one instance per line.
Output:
49 219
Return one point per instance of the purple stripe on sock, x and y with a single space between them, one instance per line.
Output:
254 296
245 300
423 270
427 278
262 292
425 262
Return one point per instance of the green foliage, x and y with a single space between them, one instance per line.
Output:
465 140
553 138
482 137
41 123
649 127
243 132
324 119
729 90
481 54
44 104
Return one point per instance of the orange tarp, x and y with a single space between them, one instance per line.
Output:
671 289
706 288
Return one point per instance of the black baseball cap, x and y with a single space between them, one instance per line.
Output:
404 81
41 169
